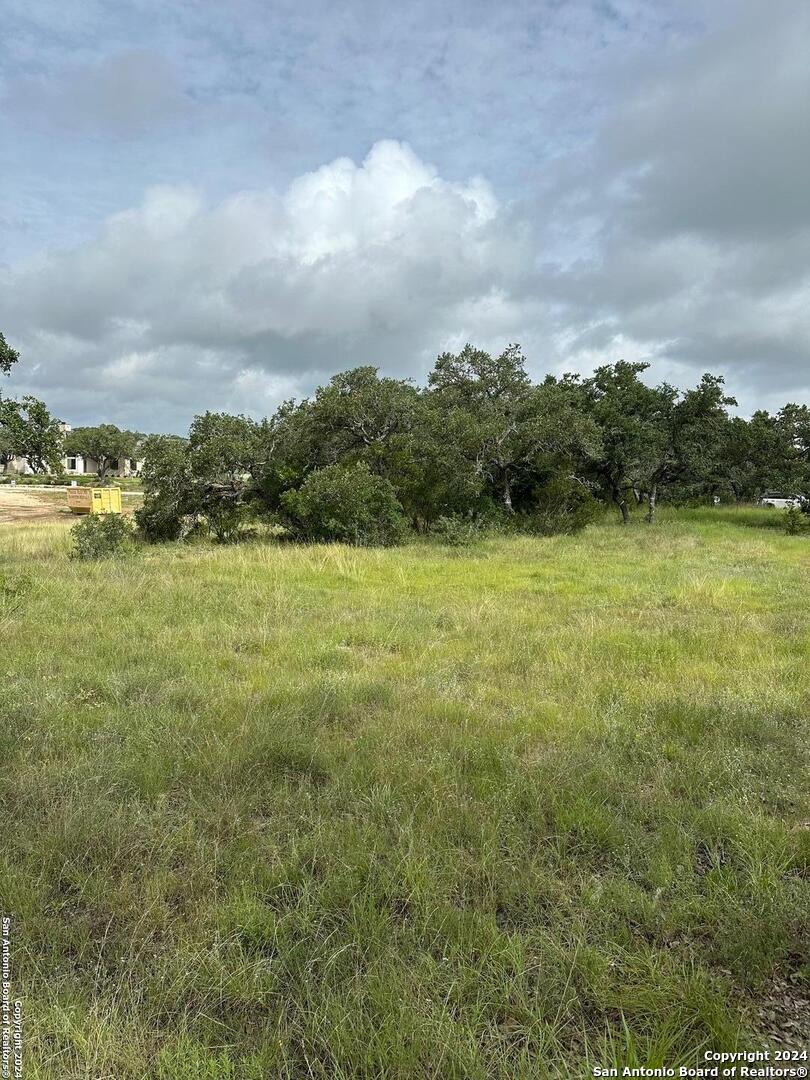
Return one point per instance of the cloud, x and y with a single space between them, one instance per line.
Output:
377 262
716 133
697 187
130 93
645 196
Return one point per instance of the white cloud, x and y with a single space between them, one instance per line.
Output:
378 262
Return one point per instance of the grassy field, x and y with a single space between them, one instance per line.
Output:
317 812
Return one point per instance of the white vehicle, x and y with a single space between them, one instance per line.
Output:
777 501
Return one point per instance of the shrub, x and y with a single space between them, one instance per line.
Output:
456 531
795 520
226 507
561 506
102 536
160 519
345 503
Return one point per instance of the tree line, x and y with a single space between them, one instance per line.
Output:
369 457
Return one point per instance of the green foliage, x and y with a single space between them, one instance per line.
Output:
456 531
8 356
345 503
563 505
481 440
226 515
508 429
223 447
28 430
225 454
12 431
627 413
102 536
169 505
795 519
107 444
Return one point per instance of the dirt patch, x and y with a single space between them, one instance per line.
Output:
784 1014
35 507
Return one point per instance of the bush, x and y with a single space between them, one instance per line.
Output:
456 531
561 506
345 503
795 519
226 509
102 536
160 519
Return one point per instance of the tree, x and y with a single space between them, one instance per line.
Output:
40 436
515 434
480 441
8 356
765 453
687 437
489 396
628 414
360 416
12 431
225 456
432 470
106 444
169 494
214 475
793 430
224 448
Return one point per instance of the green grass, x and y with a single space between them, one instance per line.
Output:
318 812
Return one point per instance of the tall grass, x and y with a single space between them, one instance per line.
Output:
320 812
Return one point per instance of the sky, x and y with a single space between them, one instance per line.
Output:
218 206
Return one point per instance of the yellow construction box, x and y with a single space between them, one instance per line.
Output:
87 500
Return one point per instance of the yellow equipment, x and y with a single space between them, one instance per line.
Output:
87 500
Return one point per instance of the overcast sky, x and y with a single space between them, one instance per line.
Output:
208 205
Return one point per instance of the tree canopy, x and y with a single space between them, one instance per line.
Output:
106 444
479 442
8 356
27 430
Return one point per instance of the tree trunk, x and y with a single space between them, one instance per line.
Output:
621 502
507 493
651 497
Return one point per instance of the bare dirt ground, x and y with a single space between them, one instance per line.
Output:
36 507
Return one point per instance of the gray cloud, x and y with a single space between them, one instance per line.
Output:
698 186
129 93
717 134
